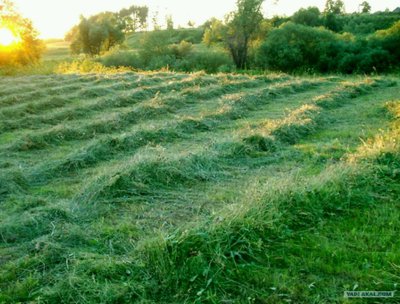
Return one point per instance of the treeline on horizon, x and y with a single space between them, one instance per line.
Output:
311 41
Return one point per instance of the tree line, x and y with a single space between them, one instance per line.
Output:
309 41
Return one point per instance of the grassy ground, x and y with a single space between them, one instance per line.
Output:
191 188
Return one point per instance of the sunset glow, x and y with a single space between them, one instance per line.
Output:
7 37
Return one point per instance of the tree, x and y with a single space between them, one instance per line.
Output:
170 22
133 18
308 16
241 27
294 47
28 48
365 7
97 34
214 30
334 7
332 10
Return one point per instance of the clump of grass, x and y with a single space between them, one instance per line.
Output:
298 124
12 182
32 224
261 143
134 180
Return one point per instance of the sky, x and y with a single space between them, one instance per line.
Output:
53 18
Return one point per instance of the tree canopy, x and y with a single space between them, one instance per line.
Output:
238 30
101 32
133 18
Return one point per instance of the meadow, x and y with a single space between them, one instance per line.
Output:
162 187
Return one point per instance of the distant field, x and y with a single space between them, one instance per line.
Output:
56 50
192 188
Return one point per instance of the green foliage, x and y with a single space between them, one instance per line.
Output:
310 16
158 54
96 34
365 7
297 47
364 24
133 18
170 23
155 45
388 40
29 49
300 48
214 30
335 7
121 58
241 27
211 61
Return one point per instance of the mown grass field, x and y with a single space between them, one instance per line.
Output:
195 188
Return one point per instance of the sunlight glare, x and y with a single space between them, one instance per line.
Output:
7 37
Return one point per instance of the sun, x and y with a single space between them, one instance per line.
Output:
7 37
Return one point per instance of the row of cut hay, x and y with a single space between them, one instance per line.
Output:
137 178
12 94
33 223
118 83
133 179
305 120
18 94
106 149
11 182
117 122
78 93
237 108
96 104
96 151
39 92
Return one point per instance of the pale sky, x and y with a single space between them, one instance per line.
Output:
53 18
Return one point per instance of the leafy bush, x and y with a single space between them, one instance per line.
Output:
364 24
211 61
388 40
155 44
121 58
294 47
157 53
310 16
298 47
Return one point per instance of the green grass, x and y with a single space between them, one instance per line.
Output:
190 188
56 50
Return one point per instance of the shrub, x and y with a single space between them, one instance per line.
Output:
294 47
211 61
157 53
298 47
121 58
388 40
310 16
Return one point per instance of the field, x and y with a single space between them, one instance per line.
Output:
192 188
